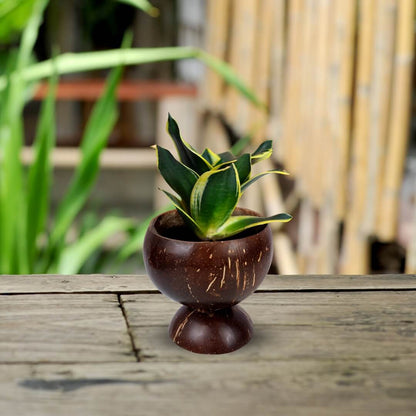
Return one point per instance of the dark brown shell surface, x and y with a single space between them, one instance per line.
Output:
206 275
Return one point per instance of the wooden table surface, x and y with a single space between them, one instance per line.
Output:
98 345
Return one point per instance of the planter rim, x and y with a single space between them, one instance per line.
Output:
153 230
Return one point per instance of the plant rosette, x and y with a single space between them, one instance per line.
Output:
209 254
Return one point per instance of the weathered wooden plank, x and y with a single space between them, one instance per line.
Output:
64 328
293 326
264 388
50 283
124 284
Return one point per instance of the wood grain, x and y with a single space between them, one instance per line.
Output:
64 328
323 345
293 326
125 284
254 388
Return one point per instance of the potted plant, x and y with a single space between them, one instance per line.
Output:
209 254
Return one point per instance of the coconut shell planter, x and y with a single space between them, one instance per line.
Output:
207 254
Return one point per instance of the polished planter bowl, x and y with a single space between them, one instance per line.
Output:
209 278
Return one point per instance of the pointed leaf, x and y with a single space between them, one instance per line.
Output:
40 172
76 254
260 175
243 165
226 157
178 176
236 224
135 242
210 156
264 151
214 198
187 155
144 5
185 216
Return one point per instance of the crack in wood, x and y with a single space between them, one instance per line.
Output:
135 349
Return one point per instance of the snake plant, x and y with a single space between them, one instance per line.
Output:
208 186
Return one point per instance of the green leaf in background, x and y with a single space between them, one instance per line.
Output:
178 176
230 76
239 147
136 240
187 155
260 175
263 152
40 172
86 61
214 198
13 220
144 5
237 224
97 132
76 254
14 16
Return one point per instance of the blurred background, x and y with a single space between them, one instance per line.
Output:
338 80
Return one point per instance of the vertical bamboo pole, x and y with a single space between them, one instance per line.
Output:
218 17
262 64
379 108
293 71
320 117
411 249
305 235
327 244
346 32
399 123
277 79
273 202
355 244
300 156
243 35
310 151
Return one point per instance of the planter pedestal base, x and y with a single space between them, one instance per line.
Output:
217 332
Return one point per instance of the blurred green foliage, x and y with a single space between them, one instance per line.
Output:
31 241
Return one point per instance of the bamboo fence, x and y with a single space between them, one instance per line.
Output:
337 78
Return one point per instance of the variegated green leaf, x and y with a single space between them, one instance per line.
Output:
187 154
263 152
214 198
243 165
236 224
210 156
178 176
260 175
226 157
184 214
